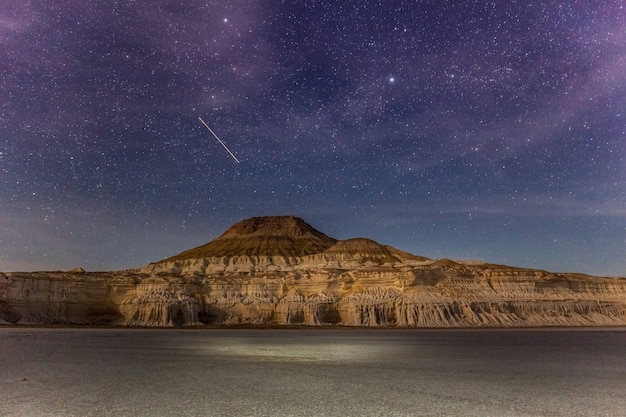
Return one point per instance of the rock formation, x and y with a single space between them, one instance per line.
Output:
281 271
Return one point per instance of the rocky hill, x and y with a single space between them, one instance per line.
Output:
285 236
281 271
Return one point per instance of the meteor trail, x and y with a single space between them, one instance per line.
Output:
218 139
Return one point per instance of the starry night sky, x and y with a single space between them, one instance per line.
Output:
462 129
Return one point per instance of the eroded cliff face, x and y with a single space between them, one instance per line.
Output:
428 295
280 271
61 297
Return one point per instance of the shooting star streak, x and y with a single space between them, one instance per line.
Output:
218 139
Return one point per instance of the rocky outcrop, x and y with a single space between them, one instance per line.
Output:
159 302
61 297
279 236
277 280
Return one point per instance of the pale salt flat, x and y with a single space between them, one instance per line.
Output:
311 372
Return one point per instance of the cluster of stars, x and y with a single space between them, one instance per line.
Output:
400 121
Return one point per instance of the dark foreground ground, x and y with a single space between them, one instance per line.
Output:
311 372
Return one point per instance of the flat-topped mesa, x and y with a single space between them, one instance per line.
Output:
286 236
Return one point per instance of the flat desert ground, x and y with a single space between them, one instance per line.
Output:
311 372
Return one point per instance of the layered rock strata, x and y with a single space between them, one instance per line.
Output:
280 271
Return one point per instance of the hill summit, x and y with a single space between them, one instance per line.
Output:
263 236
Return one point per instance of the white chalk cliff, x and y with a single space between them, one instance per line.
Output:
281 271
